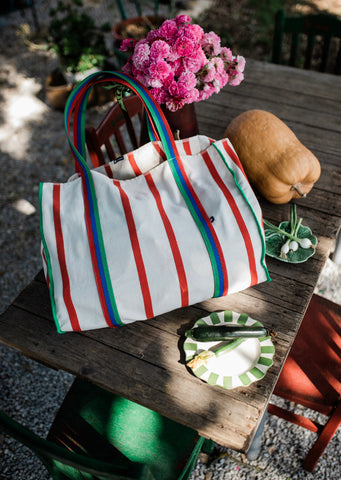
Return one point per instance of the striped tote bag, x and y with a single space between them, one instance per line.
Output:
169 225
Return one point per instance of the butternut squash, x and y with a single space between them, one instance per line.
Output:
276 163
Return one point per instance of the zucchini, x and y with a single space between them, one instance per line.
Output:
216 333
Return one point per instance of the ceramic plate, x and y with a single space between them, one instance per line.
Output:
274 242
240 367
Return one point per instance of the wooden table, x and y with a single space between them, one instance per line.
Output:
145 361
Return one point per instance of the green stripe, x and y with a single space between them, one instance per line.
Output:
200 226
256 372
227 382
190 347
245 379
103 253
212 379
265 361
215 318
199 372
48 261
267 349
82 122
228 316
201 321
242 318
260 229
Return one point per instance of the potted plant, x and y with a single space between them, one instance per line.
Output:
136 26
79 45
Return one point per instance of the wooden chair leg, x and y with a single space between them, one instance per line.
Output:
324 438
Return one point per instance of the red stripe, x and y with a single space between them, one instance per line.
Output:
238 216
108 170
172 241
47 270
187 147
160 151
94 258
133 164
62 260
209 225
137 251
188 151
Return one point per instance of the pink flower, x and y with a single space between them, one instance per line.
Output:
173 104
209 72
237 79
211 43
193 96
127 45
168 29
172 88
240 63
159 49
184 46
159 70
159 94
181 64
182 20
141 54
226 54
196 32
187 81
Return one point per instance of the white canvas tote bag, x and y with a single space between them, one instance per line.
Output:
169 225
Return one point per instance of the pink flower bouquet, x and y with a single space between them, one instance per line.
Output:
181 64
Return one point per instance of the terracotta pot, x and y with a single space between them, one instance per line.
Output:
136 28
183 123
57 89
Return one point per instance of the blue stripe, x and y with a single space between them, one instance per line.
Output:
206 227
152 107
98 253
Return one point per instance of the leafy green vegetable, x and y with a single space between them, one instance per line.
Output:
291 241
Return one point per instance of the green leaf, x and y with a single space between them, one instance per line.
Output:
274 242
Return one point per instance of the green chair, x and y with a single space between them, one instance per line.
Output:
98 435
154 4
325 26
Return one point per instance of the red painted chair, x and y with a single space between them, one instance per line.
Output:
118 124
311 375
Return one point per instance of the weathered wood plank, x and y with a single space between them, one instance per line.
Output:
193 406
292 79
145 361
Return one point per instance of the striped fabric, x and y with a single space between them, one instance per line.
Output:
169 225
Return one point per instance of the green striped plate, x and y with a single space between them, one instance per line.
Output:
240 367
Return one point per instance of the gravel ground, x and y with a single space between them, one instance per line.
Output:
33 148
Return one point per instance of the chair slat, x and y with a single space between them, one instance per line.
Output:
324 26
117 124
309 51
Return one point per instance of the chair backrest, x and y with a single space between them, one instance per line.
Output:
63 464
323 26
121 125
312 372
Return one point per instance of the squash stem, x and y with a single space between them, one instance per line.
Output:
298 189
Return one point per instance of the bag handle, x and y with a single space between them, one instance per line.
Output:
76 107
